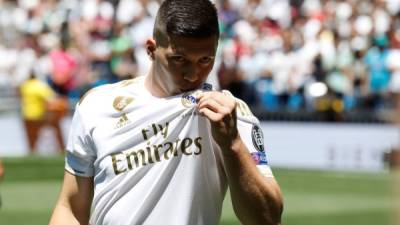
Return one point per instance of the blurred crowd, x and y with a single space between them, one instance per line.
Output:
294 55
314 54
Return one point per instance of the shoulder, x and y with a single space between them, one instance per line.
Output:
106 91
96 98
243 111
95 95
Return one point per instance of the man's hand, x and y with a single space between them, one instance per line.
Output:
220 109
248 187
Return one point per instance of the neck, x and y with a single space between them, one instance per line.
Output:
154 85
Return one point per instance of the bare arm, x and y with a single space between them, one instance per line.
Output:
255 198
73 205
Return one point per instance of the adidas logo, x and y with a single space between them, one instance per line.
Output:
123 121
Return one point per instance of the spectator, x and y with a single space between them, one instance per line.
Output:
40 107
379 74
278 47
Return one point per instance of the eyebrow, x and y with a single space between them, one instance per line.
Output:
183 54
180 52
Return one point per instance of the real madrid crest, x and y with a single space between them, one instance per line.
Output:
190 99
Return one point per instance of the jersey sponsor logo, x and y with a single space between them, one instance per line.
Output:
154 153
155 129
121 102
260 158
150 153
258 138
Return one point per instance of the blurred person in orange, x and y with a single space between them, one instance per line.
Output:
1 170
1 178
40 107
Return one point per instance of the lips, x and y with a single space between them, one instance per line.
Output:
187 90
190 87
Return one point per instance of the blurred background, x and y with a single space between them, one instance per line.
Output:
323 76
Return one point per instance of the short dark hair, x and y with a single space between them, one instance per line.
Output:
186 18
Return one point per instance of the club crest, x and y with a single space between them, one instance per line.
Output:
121 102
189 99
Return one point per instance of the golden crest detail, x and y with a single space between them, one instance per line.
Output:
121 102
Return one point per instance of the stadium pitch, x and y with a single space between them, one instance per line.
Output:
31 186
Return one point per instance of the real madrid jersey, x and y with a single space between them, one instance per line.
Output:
153 160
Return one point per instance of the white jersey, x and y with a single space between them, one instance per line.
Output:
153 159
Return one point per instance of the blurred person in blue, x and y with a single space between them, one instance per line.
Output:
379 73
163 148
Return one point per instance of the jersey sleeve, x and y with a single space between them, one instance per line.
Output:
252 135
80 151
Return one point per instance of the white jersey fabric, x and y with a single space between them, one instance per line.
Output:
153 159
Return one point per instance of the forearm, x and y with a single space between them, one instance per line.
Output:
63 215
73 205
255 198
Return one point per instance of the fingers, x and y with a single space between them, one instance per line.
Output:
213 116
222 99
215 105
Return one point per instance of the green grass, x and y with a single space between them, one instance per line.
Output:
31 186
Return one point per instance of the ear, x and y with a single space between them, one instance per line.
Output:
151 48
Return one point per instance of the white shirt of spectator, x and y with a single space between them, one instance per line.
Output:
153 159
393 63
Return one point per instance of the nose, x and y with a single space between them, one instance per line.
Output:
191 74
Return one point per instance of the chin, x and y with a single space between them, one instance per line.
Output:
191 87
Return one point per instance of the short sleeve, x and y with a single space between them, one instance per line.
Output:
252 136
46 92
80 151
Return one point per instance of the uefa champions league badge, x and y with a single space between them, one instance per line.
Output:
260 158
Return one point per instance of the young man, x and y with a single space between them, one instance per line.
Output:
162 149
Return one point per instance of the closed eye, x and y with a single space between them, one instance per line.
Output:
178 59
206 60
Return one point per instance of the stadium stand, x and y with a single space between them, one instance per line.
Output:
296 60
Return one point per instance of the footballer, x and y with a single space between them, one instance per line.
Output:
163 148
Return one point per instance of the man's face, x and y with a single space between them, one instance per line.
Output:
185 63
